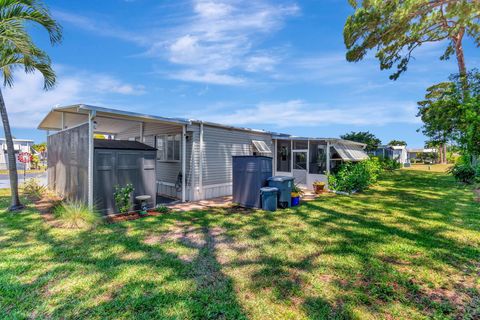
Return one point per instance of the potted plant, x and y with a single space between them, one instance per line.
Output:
318 187
295 195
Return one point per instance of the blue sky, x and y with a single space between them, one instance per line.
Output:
267 64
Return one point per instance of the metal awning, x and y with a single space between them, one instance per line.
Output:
261 146
108 120
350 152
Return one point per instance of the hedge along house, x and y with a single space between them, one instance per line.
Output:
194 158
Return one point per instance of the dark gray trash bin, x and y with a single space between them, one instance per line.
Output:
284 185
250 173
269 198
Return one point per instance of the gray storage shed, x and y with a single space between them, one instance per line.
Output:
250 173
119 162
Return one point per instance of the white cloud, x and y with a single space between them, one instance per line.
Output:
215 41
209 77
100 27
260 63
107 84
212 9
296 113
221 37
27 102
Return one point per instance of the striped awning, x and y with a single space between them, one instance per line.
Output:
350 152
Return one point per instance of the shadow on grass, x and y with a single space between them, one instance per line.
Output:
328 259
112 272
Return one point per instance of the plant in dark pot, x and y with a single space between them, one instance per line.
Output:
318 187
123 198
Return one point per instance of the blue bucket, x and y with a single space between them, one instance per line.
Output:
295 201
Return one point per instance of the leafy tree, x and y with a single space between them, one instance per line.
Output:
40 147
397 143
451 115
17 50
395 28
366 137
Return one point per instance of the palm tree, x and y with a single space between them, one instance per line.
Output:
17 50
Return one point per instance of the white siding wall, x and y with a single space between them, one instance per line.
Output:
220 144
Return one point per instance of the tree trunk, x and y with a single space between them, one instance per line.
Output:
12 162
457 41
462 68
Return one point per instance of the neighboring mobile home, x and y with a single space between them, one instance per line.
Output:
425 155
397 153
194 158
19 145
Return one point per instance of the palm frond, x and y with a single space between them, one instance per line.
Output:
17 48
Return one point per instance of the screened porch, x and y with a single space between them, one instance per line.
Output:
312 159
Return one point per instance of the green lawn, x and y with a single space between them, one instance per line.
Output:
408 248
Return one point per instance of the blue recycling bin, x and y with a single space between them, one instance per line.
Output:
284 185
269 198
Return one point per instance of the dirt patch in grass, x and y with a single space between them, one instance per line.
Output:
477 195
46 204
114 218
238 209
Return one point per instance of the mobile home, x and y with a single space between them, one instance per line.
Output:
193 157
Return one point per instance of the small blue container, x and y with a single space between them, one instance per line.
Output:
295 201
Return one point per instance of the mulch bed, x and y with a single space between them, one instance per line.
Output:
47 203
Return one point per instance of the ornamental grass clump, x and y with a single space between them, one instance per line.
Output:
76 215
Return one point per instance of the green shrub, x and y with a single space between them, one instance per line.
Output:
162 208
355 176
32 189
76 214
464 172
123 197
390 164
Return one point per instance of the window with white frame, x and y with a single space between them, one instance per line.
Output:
168 147
261 148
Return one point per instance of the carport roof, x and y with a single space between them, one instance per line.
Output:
53 117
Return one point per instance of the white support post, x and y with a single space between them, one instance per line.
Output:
200 165
184 161
275 158
291 156
308 158
63 120
141 132
91 116
328 157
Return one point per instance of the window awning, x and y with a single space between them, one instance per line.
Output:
350 152
261 146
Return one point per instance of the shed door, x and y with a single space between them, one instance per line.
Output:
119 168
105 179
